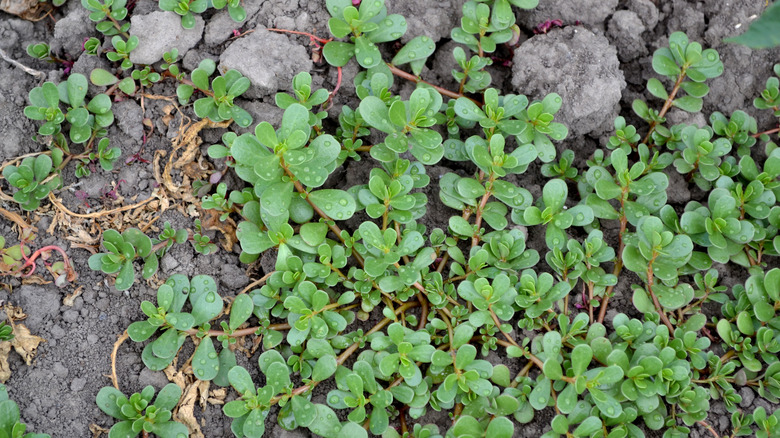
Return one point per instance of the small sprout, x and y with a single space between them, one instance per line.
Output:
6 332
91 46
201 242
218 105
122 50
366 26
107 14
34 179
139 413
122 250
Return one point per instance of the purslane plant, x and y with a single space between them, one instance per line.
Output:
34 179
186 9
87 119
218 104
139 414
448 295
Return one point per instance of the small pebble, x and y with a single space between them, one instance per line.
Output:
78 384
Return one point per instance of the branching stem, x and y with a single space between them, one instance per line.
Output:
667 104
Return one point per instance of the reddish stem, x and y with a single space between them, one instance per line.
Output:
667 105
312 36
771 131
410 77
30 261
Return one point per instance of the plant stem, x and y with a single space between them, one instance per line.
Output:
239 333
667 104
705 425
478 219
450 332
311 36
619 262
30 261
498 326
771 131
347 353
410 77
650 281
116 24
331 223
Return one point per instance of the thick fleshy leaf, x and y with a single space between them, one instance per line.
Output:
337 204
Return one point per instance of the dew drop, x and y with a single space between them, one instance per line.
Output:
711 56
396 34
368 60
328 206
200 372
172 320
212 355
412 55
388 22
211 297
580 217
426 157
343 202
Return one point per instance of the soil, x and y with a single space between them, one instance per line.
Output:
598 64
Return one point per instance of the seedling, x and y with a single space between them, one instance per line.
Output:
218 105
87 120
139 414
34 179
123 249
187 9
6 332
108 14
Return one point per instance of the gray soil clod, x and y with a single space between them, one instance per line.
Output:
581 67
160 32
273 62
597 67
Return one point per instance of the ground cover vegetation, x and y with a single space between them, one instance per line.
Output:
402 317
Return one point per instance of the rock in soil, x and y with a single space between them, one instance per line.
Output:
582 68
159 32
274 61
